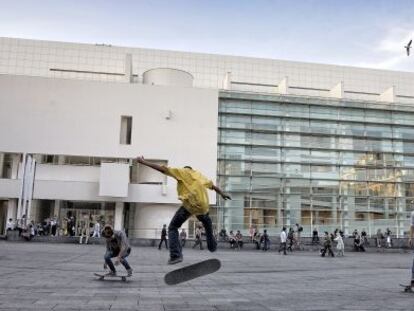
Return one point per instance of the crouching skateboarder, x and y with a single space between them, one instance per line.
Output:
117 246
191 188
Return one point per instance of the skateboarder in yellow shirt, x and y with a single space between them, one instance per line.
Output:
191 189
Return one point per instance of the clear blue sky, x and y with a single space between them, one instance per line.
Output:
369 33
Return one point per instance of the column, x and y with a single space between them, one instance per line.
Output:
334 213
119 216
56 209
1 164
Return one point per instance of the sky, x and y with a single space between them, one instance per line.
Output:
364 33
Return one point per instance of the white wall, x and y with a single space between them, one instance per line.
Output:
67 172
69 117
149 219
36 57
9 188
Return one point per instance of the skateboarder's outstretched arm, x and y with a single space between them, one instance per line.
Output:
157 167
163 170
220 192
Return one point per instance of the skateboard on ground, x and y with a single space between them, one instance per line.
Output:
102 276
193 271
407 288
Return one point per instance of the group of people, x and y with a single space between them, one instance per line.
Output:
26 229
50 227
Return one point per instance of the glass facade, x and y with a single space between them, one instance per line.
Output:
319 162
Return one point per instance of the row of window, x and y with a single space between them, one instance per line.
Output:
315 111
314 141
319 128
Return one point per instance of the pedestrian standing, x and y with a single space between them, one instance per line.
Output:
327 245
251 233
265 240
315 236
410 243
388 239
198 238
380 237
183 237
283 241
53 226
340 245
257 240
84 230
239 239
163 237
96 230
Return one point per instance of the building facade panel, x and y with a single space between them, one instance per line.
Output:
322 145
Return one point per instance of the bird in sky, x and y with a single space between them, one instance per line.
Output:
408 47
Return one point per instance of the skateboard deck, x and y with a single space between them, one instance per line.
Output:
193 271
122 277
407 288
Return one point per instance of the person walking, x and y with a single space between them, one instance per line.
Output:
191 189
290 239
283 240
163 237
117 246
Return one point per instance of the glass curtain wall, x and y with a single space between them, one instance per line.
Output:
319 163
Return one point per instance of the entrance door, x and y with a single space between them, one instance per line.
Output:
86 214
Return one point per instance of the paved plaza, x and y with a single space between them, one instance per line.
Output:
42 276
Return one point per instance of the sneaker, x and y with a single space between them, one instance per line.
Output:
129 272
111 273
173 261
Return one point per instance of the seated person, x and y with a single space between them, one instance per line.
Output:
232 239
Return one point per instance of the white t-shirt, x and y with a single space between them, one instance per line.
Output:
97 227
283 237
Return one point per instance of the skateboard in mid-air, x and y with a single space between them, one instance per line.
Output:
193 271
102 276
407 288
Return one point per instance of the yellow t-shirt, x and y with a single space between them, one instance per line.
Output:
191 189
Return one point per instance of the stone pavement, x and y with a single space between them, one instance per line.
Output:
42 276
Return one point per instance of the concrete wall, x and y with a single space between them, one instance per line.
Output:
149 219
69 117
67 172
107 63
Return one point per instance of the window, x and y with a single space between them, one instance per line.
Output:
126 128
